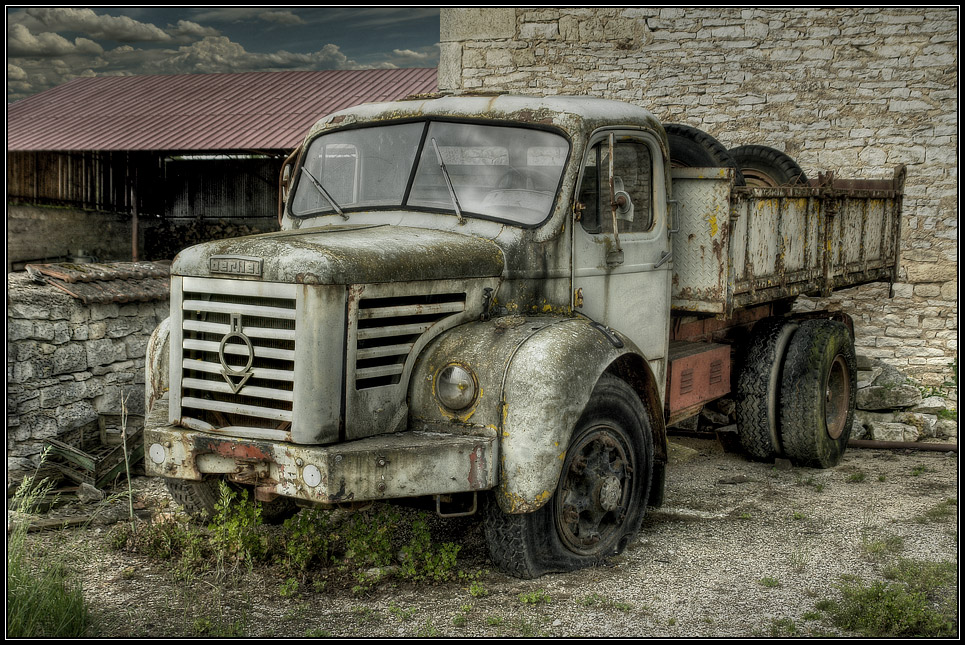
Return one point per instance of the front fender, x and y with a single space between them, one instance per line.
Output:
157 365
535 376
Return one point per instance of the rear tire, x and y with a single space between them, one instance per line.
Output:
694 148
600 499
818 394
768 168
758 387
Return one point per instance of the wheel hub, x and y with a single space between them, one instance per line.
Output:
609 493
594 491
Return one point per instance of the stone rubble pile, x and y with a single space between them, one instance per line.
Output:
891 407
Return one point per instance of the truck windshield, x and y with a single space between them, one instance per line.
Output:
507 173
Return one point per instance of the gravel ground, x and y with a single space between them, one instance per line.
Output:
739 549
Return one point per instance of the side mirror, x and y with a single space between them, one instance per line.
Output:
284 182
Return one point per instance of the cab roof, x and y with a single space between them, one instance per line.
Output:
575 115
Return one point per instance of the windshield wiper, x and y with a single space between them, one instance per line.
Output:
445 174
324 193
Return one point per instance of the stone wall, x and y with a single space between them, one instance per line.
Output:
69 365
853 90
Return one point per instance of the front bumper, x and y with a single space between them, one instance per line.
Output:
405 464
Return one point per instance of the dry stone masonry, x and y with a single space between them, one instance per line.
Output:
69 365
854 90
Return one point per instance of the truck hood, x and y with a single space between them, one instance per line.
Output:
344 255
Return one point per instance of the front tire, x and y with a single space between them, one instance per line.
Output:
818 394
600 499
198 498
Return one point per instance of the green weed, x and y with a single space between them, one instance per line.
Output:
941 512
401 614
537 597
876 549
856 478
783 627
236 528
769 582
288 588
420 561
43 598
307 540
368 537
428 630
889 610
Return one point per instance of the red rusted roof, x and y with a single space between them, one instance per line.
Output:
199 112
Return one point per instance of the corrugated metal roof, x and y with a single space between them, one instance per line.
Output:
199 112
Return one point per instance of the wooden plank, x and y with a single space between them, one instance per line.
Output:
71 454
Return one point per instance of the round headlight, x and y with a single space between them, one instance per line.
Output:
456 386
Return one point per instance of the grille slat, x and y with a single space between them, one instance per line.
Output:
239 350
220 329
203 306
222 387
401 311
394 330
387 350
237 408
259 373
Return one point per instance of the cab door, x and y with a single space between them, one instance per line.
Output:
621 241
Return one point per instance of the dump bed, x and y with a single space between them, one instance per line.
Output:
739 246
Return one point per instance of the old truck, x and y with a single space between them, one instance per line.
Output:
499 304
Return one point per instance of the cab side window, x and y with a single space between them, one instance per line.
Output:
632 176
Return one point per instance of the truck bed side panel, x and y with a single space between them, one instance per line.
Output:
778 243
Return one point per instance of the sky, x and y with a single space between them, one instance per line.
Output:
48 46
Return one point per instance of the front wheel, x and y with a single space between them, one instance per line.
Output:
599 501
198 498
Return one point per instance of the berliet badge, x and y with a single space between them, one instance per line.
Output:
232 372
235 265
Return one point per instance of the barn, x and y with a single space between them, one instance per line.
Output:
160 162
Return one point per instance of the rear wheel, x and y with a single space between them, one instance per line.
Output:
198 498
818 394
758 386
694 148
601 497
766 167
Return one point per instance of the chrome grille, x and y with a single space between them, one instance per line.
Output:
253 331
388 328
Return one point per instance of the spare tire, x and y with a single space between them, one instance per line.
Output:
767 167
694 148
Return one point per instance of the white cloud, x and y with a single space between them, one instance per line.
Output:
85 21
281 17
187 30
15 73
249 14
22 42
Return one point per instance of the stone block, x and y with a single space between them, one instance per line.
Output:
476 23
62 394
881 397
946 428
881 431
69 358
104 352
